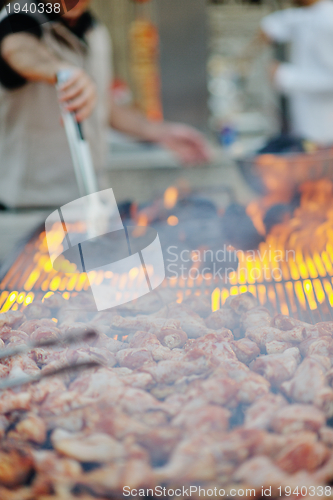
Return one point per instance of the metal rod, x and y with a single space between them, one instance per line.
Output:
18 382
84 336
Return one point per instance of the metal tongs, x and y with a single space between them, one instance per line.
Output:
83 166
79 148
81 336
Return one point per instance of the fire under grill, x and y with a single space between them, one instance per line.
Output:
290 282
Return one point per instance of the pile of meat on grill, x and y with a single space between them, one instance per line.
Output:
183 396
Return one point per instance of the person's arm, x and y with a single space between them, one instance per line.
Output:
30 58
289 78
132 122
186 142
279 26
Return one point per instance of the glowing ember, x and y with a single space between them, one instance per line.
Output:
172 220
170 197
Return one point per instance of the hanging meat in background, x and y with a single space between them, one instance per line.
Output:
144 54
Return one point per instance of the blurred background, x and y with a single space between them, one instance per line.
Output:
205 63
186 61
190 61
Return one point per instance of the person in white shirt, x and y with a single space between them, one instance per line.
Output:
307 79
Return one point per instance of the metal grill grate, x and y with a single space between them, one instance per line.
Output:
302 287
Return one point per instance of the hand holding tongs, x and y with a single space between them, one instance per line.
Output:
83 166
80 150
83 336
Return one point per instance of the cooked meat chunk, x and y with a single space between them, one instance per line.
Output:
302 453
134 358
177 399
11 319
200 304
260 414
223 318
190 322
323 346
261 472
259 316
15 466
32 428
171 337
10 401
278 347
277 368
295 418
55 301
168 372
241 303
286 323
214 344
325 328
88 448
37 310
33 324
308 381
195 417
262 335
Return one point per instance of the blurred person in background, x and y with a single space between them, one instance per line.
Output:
35 162
307 79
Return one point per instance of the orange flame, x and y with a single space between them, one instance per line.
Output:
170 197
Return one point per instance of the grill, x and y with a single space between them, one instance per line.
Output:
295 283
295 280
